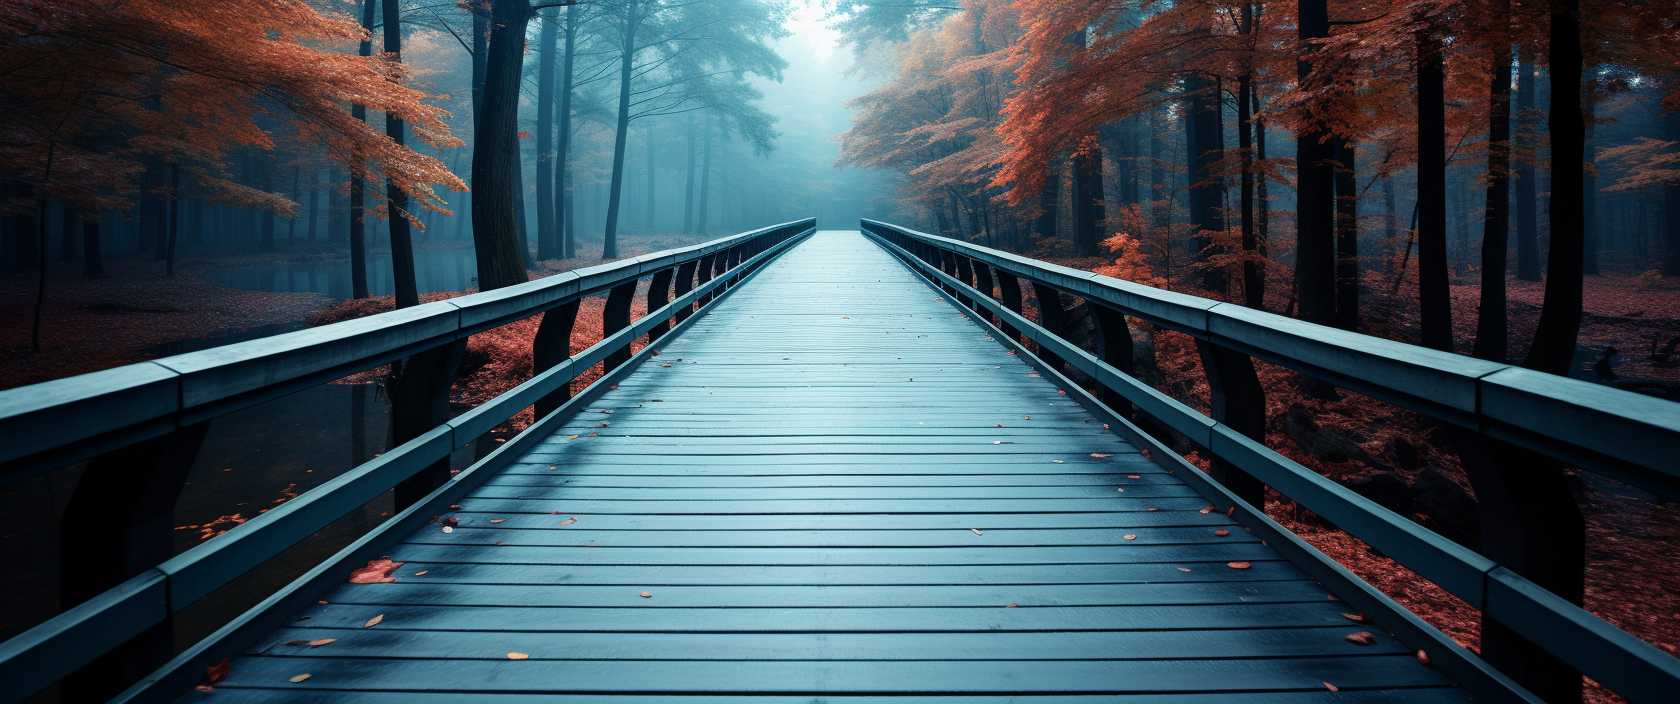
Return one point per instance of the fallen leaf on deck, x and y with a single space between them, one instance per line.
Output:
497 520
1184 569
1152 509
448 529
421 572
1361 638
1222 532
1237 565
1064 393
1010 605
977 531
1231 511
569 521
205 688
1331 687
1134 476
1131 537
518 656
570 437
1100 456
377 571
647 595
1120 490
1359 617
215 673
1027 417
299 678
1208 510
297 642
321 642
373 621
1423 657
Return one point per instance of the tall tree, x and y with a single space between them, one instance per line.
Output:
1315 248
550 43
1347 233
1491 320
402 249
562 177
1254 292
496 149
1560 313
358 188
1434 295
1528 230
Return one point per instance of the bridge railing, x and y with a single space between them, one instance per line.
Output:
140 426
1511 426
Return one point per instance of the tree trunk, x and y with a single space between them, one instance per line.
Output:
1528 237
93 265
175 220
1262 218
67 233
519 219
358 196
495 153
1088 206
647 147
1491 319
1347 235
1158 211
1434 296
1048 200
267 217
688 182
562 184
314 204
550 43
1204 143
1589 188
1560 314
1315 251
705 176
402 246
1253 294
1671 210
627 55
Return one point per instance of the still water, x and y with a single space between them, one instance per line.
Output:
434 270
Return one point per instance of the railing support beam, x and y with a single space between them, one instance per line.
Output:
685 283
616 317
1531 525
118 524
1009 290
419 389
1051 317
659 293
551 346
1238 402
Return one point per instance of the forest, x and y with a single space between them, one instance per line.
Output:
1498 179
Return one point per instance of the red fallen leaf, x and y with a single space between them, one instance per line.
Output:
1331 687
498 542
299 678
1208 510
373 621
977 531
554 512
1231 511
1131 537
647 595
1222 532
321 642
376 571
1423 657
1100 456
571 437
320 602
452 521
1064 393
1087 420
1134 476
1358 617
1010 605
518 656
569 521
1360 638
421 572
1152 509
593 435
216 673
1184 569
1237 565
497 520
454 507
666 364
205 688
1027 417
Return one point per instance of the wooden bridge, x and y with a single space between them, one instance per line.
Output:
846 466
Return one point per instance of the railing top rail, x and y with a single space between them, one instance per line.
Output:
1622 434
149 398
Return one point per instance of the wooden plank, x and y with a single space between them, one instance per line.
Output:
774 575
290 695
955 535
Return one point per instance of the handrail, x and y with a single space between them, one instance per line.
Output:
54 423
1624 435
54 649
1389 370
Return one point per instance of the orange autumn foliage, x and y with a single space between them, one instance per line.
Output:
89 88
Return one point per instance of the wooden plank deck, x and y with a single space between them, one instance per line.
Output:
833 487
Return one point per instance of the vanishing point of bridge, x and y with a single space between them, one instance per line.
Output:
840 475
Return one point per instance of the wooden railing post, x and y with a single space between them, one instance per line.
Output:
965 274
614 318
704 272
1531 525
553 345
983 284
1238 402
419 391
118 524
1009 291
1114 346
659 294
685 283
1051 317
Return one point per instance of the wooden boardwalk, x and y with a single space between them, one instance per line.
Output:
834 484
